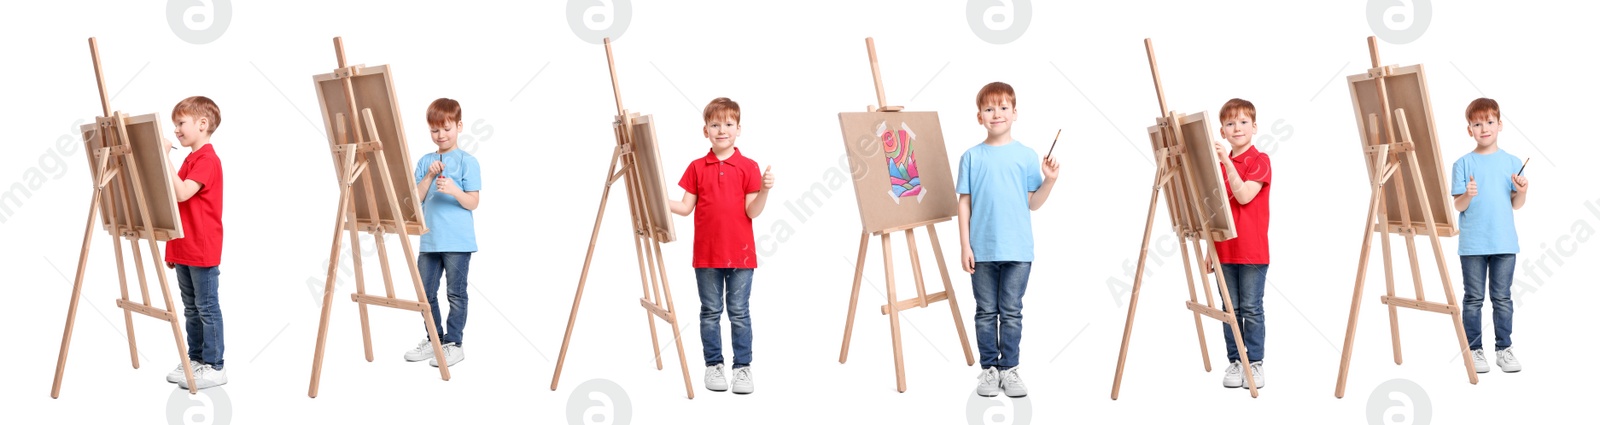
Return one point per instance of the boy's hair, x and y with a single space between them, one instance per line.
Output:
999 90
199 107
721 107
442 111
1236 106
1483 108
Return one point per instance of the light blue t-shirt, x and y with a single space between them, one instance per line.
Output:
1487 226
999 179
449 224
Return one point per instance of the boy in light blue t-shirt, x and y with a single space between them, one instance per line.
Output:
1000 182
448 183
1487 186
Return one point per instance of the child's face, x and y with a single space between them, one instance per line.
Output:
722 131
997 116
1239 130
445 136
1484 129
189 129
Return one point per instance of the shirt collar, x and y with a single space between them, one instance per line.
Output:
1249 154
711 156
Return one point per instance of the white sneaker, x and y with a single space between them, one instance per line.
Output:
1234 376
452 355
715 380
1011 382
743 383
206 377
176 375
1479 362
423 351
1260 374
1507 361
989 382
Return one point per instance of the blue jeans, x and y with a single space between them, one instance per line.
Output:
1498 269
1246 285
730 286
454 267
202 314
997 288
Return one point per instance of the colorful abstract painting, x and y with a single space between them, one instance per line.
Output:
900 153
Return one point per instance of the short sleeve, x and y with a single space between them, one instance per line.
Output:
964 174
205 171
1458 178
422 169
470 176
1259 170
1035 176
690 181
752 178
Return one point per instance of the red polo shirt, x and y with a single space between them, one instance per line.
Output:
1249 220
201 244
722 230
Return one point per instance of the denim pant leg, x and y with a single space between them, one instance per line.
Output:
1013 284
1500 270
1474 269
1246 285
711 294
455 274
738 302
202 313
431 265
985 321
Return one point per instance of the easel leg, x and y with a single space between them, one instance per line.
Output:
894 316
1199 326
77 292
360 276
583 277
122 271
647 275
916 270
672 311
1388 279
1444 273
345 205
1138 282
944 273
155 257
410 254
855 295
1233 321
1361 280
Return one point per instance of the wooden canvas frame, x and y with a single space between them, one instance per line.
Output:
1407 88
639 162
875 223
360 147
879 209
123 153
144 138
373 88
1400 179
1188 170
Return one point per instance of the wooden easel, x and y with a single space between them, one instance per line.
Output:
354 160
1385 160
115 163
895 305
1179 180
646 240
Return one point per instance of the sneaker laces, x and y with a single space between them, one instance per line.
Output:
986 377
716 372
741 374
1506 356
425 345
1011 377
1235 368
1477 355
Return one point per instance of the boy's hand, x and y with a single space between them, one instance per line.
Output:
1472 186
172 266
1520 182
767 179
446 185
968 261
1050 167
166 144
435 168
1222 151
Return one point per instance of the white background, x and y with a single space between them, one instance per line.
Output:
538 107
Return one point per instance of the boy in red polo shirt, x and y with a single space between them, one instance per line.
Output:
725 191
197 254
1244 258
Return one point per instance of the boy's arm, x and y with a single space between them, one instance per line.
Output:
1465 198
755 202
184 189
1243 191
468 200
683 207
1051 170
964 219
1521 194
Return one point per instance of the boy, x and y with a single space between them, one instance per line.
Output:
1245 257
1488 246
998 186
448 183
198 253
725 191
